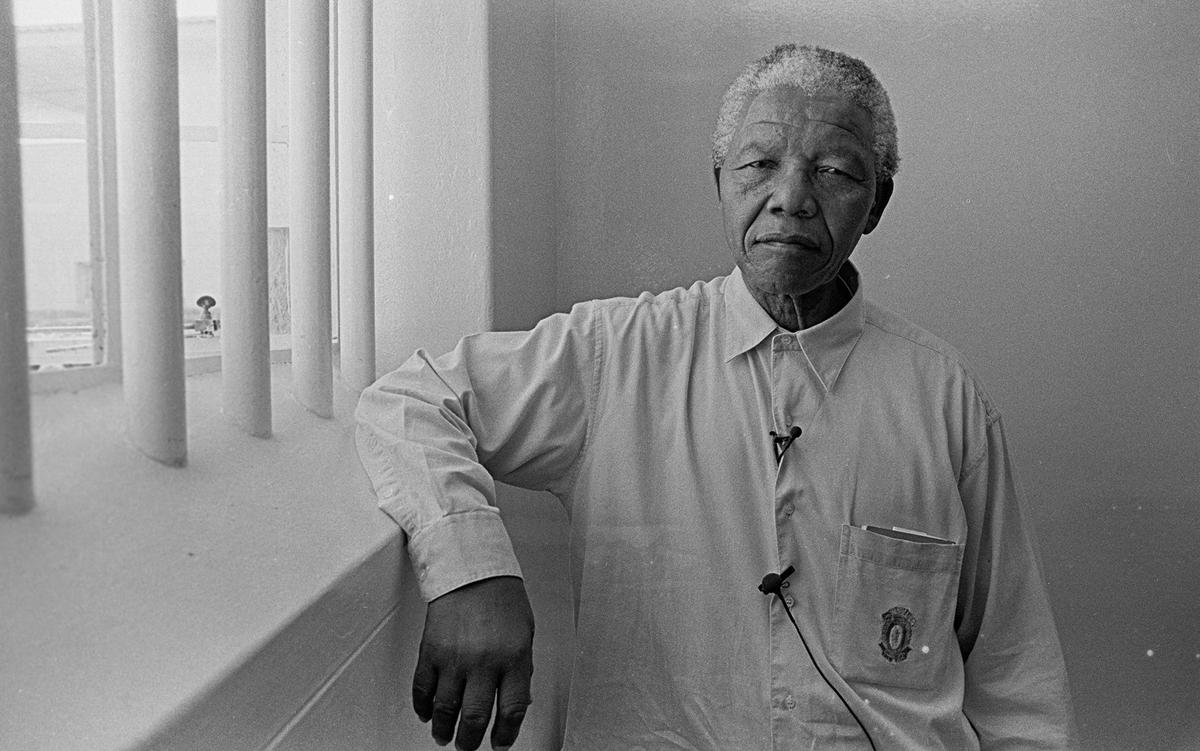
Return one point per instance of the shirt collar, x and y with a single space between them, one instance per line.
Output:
826 345
746 323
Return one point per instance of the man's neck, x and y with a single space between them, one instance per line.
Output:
804 311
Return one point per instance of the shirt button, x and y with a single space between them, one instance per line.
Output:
789 702
789 509
789 601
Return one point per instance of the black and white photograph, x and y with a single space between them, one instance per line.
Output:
599 375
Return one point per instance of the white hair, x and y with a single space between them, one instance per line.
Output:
813 70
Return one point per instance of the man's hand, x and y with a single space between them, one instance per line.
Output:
476 653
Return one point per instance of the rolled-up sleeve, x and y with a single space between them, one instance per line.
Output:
1016 693
434 434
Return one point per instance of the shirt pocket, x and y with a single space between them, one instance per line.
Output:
894 610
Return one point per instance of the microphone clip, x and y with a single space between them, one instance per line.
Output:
772 582
782 442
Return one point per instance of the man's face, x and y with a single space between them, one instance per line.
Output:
798 190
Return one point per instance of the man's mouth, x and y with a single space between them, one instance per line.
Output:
786 238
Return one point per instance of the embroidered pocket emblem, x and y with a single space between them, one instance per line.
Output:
895 639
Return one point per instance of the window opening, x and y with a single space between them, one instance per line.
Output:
53 94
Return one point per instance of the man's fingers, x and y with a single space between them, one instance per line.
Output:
478 699
474 636
511 703
446 704
424 686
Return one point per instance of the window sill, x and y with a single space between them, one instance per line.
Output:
134 591
208 360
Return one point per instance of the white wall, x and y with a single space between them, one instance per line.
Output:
524 160
432 175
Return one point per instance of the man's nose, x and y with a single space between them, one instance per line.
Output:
794 194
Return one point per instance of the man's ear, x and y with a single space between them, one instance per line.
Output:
717 178
883 192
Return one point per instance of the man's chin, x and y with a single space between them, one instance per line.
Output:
790 282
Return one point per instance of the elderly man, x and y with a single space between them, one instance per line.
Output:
771 422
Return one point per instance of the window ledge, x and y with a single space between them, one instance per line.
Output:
133 591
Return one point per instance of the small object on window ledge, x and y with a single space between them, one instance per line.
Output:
206 326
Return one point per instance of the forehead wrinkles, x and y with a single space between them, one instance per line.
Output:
780 134
784 109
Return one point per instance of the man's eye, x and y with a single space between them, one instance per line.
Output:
831 170
758 164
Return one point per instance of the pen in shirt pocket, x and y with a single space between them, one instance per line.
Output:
912 535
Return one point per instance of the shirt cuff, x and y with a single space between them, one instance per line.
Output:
459 549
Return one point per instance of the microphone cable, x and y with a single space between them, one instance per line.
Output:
770 585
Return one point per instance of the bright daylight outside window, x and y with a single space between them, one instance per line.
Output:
64 253
63 283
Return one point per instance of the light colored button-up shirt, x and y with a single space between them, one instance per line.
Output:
651 418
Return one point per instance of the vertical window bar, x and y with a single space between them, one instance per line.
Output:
146 67
102 182
16 453
334 271
245 334
356 233
308 211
